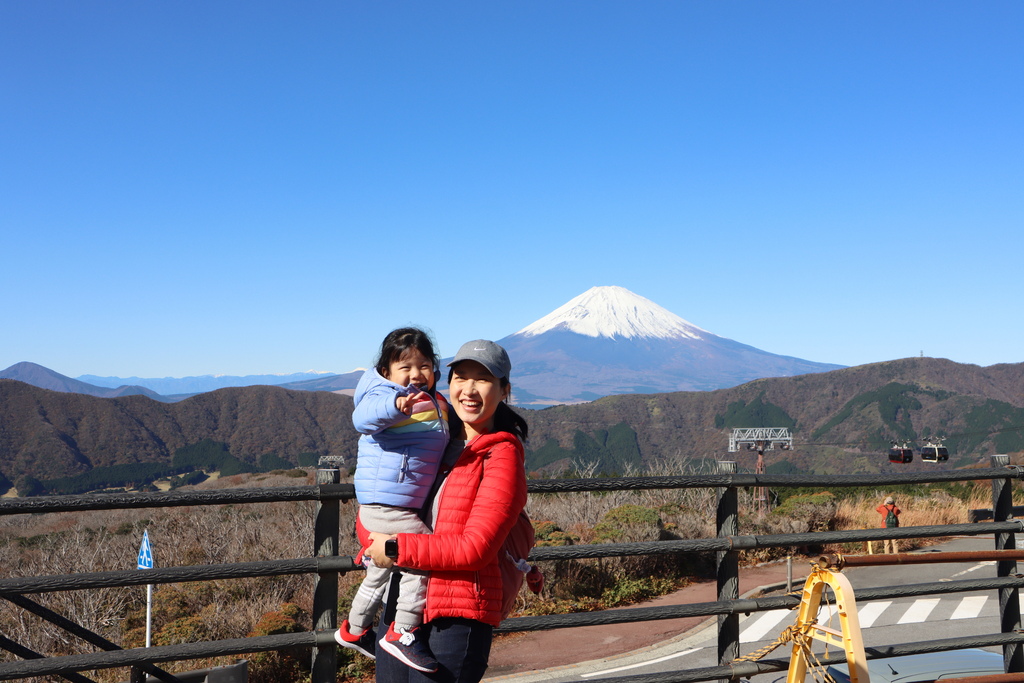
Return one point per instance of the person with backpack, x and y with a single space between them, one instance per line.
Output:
481 493
890 520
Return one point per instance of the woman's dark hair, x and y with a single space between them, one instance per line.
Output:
505 419
401 340
508 420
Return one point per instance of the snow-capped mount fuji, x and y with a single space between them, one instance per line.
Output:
609 340
614 312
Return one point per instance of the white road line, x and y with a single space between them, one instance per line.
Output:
825 613
872 611
919 611
764 624
969 607
974 568
639 664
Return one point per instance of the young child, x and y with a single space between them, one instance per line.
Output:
404 427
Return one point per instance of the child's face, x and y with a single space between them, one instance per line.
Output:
412 368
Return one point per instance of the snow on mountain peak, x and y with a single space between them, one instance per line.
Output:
614 312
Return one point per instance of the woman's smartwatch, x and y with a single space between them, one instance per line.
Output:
391 548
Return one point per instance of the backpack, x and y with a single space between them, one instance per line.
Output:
514 566
891 520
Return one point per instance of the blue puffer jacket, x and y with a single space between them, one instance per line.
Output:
399 455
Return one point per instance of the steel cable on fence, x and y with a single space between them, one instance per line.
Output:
741 542
118 501
344 563
118 579
52 666
757 480
125 501
743 606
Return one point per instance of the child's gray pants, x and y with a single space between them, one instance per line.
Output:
412 593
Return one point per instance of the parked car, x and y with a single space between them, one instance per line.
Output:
927 667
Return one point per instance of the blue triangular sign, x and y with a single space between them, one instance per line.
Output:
145 552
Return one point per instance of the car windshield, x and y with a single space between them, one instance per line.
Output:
926 667
837 675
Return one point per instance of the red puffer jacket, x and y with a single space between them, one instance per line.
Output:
480 502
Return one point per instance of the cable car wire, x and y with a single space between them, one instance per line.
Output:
875 444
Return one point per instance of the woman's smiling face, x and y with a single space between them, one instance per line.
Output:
475 394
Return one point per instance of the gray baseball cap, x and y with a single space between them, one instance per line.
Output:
487 354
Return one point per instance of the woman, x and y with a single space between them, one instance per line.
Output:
480 497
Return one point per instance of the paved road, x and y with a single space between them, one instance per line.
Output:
882 622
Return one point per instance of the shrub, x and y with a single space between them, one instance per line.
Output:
188 629
627 524
291 664
628 591
816 511
549 534
284 620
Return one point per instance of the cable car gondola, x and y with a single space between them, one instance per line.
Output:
901 454
934 452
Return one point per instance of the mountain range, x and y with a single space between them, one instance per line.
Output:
841 421
605 341
189 386
609 340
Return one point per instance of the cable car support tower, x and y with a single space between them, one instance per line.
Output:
760 439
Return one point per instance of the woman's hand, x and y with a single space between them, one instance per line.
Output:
376 549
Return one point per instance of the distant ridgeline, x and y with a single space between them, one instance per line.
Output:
188 466
842 423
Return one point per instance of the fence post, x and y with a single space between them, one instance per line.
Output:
727 567
325 586
1009 600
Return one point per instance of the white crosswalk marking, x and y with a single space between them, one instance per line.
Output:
764 625
969 607
758 627
919 611
872 611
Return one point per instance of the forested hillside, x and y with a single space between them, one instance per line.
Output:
48 434
842 422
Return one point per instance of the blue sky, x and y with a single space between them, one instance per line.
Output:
244 187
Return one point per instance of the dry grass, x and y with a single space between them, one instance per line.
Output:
35 545
579 513
936 508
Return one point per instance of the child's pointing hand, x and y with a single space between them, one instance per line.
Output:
405 403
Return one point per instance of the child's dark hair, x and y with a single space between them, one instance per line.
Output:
401 340
505 419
